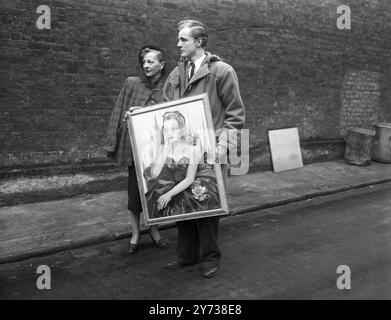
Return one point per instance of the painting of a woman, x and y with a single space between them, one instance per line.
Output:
179 180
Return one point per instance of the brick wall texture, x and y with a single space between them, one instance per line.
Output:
295 67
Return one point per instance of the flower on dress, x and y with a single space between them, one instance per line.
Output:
199 192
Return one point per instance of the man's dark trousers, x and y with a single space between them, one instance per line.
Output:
198 238
198 242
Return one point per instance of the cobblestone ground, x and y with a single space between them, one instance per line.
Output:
287 252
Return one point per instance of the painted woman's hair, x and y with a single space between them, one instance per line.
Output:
178 117
175 115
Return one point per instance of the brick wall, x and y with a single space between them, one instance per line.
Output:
360 94
295 68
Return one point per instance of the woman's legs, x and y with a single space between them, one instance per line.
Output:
134 204
154 231
156 238
135 222
135 208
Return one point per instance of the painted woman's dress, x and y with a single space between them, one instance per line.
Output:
201 195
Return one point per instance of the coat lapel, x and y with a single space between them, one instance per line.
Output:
202 72
147 91
182 78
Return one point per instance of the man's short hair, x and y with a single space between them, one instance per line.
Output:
198 30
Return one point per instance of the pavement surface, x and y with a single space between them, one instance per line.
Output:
45 227
291 251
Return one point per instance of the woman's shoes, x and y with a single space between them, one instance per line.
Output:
132 247
161 244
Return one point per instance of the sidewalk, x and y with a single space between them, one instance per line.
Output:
40 228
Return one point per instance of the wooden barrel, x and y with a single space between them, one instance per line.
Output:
359 146
382 143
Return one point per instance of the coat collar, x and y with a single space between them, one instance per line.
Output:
180 73
156 86
202 72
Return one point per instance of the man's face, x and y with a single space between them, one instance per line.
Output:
187 45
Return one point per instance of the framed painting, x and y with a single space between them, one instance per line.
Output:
285 149
173 147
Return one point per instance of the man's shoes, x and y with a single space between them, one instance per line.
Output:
175 265
210 273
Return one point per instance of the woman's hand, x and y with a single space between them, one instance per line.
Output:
129 113
163 201
131 109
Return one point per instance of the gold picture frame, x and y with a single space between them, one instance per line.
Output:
186 125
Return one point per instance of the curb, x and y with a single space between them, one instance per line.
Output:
308 196
123 235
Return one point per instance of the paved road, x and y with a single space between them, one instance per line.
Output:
287 252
